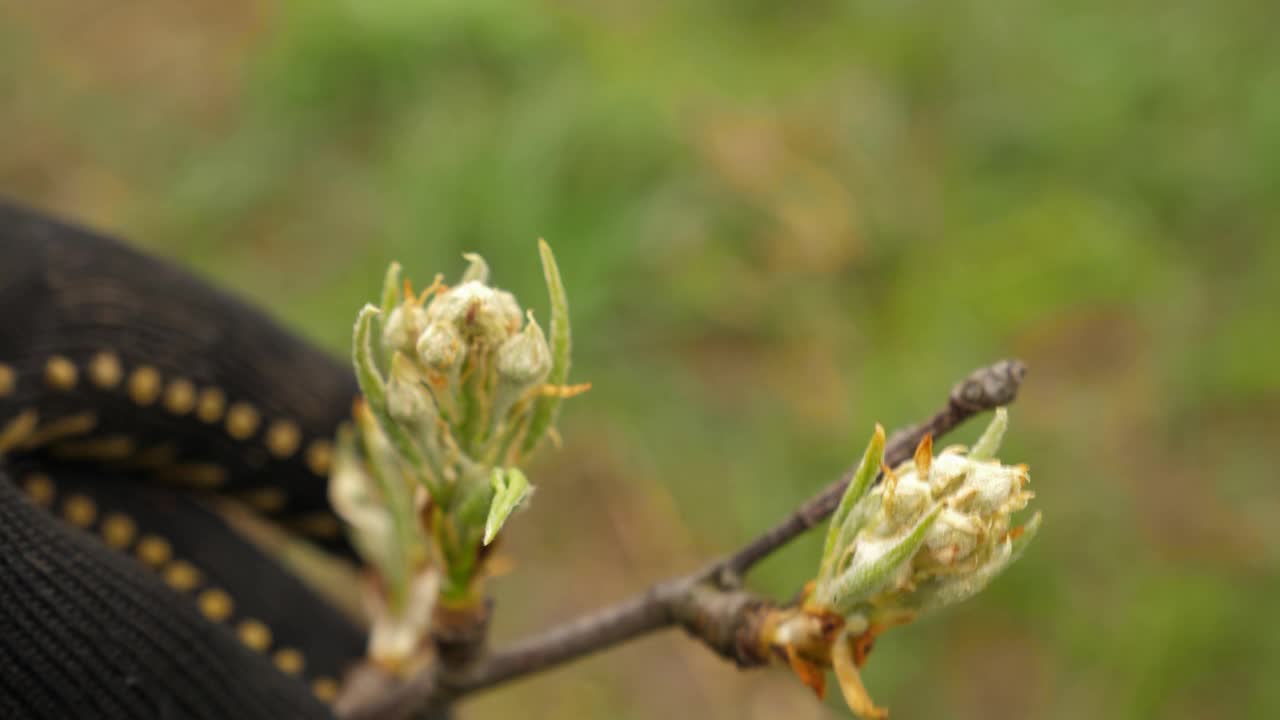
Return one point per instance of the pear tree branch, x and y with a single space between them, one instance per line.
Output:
708 603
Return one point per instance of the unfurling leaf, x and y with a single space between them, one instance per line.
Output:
881 562
934 533
374 388
510 489
989 444
858 486
546 407
843 661
390 289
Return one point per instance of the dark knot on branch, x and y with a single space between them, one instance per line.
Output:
989 387
728 622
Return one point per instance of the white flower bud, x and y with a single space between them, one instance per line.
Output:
1000 489
943 589
909 498
440 347
885 551
953 537
407 400
401 327
477 311
525 359
508 310
949 469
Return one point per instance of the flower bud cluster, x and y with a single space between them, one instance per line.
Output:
933 532
459 387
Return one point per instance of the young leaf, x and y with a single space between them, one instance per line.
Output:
390 290
374 388
989 444
396 503
869 575
368 377
858 486
477 269
547 406
510 488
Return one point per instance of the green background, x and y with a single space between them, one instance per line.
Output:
779 223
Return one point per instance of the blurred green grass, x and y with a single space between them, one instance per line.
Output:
779 224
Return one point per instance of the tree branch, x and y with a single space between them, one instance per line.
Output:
984 389
707 602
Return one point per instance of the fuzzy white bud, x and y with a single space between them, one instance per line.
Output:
402 327
440 347
525 358
477 311
936 529
407 400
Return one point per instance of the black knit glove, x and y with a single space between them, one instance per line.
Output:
131 394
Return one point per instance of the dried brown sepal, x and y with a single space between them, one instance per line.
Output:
890 483
803 637
811 674
806 592
863 644
924 457
843 661
437 286
828 624
563 391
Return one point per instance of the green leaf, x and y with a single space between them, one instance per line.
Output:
510 488
477 270
371 382
866 577
547 407
391 289
858 486
397 503
374 388
989 444
1023 540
